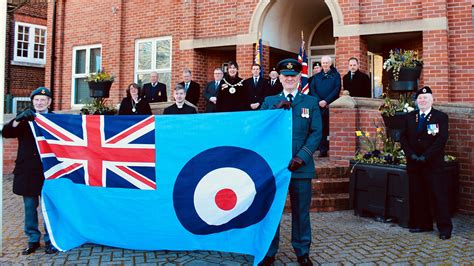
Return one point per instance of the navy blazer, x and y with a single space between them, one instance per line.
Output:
154 94
307 131
211 91
193 93
256 94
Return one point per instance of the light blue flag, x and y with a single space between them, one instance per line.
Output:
219 183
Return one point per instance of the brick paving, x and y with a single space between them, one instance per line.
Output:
338 238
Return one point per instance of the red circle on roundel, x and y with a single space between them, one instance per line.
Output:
226 199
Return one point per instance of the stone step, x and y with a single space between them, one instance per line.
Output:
330 186
325 202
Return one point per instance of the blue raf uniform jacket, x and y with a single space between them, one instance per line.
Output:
307 131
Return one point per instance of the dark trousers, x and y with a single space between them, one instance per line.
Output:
31 220
324 145
429 187
300 197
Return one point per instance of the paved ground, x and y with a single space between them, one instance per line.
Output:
338 238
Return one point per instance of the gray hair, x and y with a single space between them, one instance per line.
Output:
328 58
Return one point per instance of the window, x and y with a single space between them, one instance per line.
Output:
153 55
86 60
30 43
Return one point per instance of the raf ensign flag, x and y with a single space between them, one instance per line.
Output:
178 182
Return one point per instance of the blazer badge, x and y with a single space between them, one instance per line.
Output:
432 129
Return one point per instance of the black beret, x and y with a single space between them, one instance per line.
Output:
423 90
40 91
289 67
316 64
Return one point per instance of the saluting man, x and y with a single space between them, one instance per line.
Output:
423 140
307 131
28 173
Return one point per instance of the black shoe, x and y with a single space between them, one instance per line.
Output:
267 261
444 236
32 247
323 154
420 230
304 260
49 248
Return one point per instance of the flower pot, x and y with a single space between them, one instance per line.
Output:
407 79
394 125
99 89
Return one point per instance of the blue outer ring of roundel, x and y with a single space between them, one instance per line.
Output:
225 156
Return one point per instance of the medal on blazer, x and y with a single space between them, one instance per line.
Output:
305 112
159 93
432 129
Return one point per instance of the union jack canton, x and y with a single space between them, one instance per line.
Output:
102 151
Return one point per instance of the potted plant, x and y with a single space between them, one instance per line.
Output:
393 112
98 106
99 84
379 184
404 67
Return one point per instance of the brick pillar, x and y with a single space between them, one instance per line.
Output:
342 125
245 56
435 52
347 47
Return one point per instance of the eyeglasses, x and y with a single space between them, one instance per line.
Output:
218 73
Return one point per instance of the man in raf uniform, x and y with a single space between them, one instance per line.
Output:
28 173
423 139
154 91
307 131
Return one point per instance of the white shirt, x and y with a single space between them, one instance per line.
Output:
294 92
426 112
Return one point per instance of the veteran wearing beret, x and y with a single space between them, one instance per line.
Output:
307 131
28 173
423 139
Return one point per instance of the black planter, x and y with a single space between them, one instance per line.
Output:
407 79
394 125
99 89
382 191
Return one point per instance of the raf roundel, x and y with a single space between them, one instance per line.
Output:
223 188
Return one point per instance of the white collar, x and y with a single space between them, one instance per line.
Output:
294 92
426 112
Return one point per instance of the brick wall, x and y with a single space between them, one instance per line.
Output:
382 11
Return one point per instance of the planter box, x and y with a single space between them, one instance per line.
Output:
407 79
382 191
99 89
394 125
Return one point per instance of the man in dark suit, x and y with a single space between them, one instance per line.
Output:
28 174
179 107
193 89
356 82
274 86
211 90
423 139
154 91
325 86
255 87
307 130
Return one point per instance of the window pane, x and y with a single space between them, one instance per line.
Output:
163 54
95 60
144 55
22 43
80 61
82 91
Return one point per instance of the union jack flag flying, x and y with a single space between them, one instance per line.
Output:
93 151
303 59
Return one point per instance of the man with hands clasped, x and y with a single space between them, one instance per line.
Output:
307 131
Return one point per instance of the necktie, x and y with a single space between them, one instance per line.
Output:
255 81
352 75
421 122
273 82
186 86
290 97
217 84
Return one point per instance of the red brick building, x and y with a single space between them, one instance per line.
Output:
132 38
26 50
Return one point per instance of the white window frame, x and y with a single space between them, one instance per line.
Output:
153 57
31 45
74 76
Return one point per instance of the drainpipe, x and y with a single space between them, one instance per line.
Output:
53 52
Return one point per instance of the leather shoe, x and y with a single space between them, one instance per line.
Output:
304 261
267 261
420 230
444 236
32 247
49 248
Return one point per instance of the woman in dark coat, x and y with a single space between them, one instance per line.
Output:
232 96
133 104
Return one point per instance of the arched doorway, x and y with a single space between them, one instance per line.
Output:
322 43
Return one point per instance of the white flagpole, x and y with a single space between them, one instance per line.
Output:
3 29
